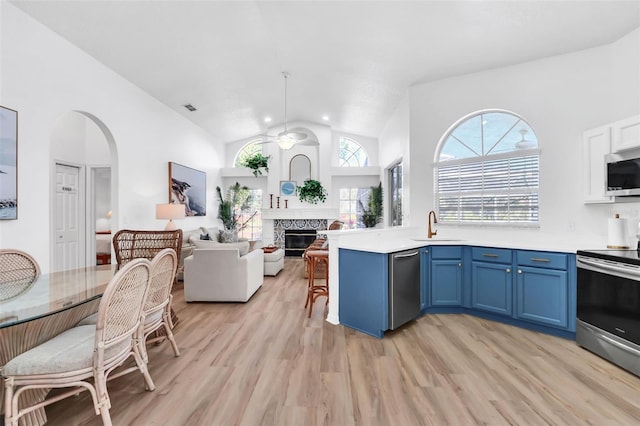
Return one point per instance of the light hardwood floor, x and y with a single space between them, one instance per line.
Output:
265 363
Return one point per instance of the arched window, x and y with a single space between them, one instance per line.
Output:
352 154
248 150
487 170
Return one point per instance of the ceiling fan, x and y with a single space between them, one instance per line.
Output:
288 138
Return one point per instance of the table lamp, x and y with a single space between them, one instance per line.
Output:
170 211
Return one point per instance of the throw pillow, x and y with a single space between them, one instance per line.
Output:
205 237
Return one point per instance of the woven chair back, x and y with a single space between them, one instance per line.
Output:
120 310
18 272
133 244
163 271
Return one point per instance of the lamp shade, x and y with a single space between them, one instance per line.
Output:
170 211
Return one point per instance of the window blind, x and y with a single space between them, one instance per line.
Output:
502 190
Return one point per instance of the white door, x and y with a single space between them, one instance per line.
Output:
67 218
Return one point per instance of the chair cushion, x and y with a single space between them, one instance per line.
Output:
93 319
90 320
242 246
153 317
69 351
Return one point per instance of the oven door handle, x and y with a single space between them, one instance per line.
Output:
627 271
620 345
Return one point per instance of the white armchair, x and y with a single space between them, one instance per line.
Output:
220 274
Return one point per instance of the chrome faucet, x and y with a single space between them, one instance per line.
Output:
430 231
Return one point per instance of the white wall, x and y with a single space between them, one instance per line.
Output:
394 145
560 97
43 78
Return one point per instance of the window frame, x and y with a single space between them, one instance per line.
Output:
345 163
482 160
395 193
244 147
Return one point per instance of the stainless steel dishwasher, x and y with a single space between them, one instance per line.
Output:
404 287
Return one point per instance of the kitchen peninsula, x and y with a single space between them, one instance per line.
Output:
528 282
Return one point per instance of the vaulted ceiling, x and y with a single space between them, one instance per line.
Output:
349 60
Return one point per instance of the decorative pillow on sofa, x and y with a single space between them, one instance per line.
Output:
242 246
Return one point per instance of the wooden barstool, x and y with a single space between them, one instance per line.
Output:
315 258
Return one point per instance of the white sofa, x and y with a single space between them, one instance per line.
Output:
221 274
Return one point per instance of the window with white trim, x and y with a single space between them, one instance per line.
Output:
394 174
251 217
351 202
247 151
487 170
352 154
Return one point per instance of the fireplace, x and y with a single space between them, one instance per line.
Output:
306 227
296 240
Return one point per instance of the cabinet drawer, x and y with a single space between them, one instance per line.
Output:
446 252
493 255
542 259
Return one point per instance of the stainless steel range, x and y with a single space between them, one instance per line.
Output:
608 305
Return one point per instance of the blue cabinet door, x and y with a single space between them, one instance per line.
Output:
364 283
542 296
446 282
491 287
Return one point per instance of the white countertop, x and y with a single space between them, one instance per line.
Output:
389 243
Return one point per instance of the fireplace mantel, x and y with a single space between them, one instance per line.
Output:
295 213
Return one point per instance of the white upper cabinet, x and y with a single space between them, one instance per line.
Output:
596 143
626 134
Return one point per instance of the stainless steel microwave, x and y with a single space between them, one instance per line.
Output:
623 173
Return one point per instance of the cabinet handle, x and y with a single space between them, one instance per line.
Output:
508 270
519 271
460 265
539 259
489 255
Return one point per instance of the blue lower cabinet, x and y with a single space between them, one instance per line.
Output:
363 298
542 296
446 282
491 287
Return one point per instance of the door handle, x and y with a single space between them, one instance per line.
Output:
402 256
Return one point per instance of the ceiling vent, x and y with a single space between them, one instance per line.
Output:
190 107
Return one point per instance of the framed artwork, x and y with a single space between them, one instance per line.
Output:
189 187
8 163
287 187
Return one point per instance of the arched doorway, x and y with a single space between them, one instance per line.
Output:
84 191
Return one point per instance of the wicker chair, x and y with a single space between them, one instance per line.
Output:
18 272
83 357
157 308
131 244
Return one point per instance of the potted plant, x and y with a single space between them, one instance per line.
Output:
372 212
237 199
311 192
257 162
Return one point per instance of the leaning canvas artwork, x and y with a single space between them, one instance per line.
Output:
8 163
188 186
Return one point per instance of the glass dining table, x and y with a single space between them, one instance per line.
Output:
53 303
